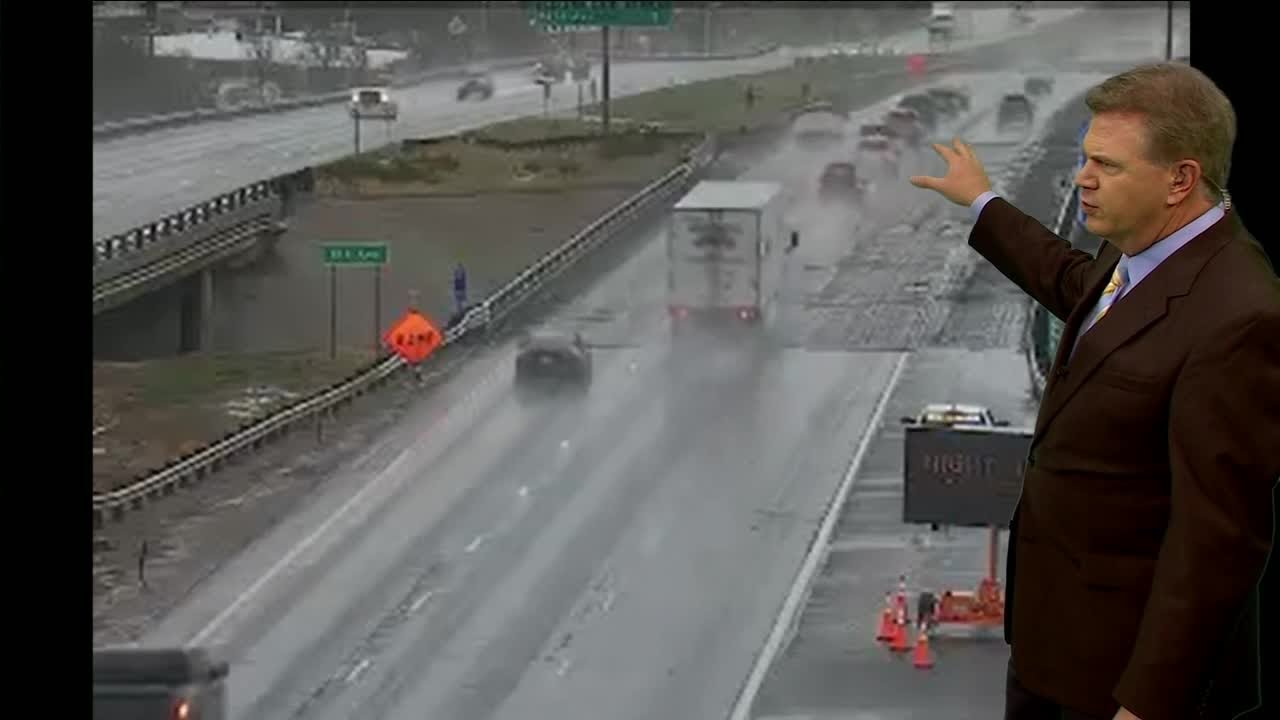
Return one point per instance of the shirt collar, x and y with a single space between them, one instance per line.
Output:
1141 265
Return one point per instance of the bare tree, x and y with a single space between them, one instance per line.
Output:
262 49
324 46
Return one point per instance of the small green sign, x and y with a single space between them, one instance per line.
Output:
355 254
604 12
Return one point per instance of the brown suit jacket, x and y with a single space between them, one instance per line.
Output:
1145 519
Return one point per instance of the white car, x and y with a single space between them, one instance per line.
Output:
952 414
373 103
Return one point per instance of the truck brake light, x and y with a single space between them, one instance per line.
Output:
181 710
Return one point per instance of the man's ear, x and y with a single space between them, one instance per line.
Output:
1183 178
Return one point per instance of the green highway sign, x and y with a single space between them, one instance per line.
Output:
603 12
355 254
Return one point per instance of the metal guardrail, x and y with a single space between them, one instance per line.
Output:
110 251
114 504
214 243
190 117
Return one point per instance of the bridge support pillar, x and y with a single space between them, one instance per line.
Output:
196 326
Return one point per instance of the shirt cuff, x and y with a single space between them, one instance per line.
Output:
981 202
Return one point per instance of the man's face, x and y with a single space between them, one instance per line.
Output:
1122 194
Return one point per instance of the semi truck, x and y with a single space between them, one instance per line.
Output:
727 244
941 26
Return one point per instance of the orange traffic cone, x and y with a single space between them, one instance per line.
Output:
899 641
885 633
923 658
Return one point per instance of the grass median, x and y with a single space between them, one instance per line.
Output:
507 194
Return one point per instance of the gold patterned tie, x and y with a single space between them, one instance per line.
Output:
1109 293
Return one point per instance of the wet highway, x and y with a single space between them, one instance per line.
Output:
496 559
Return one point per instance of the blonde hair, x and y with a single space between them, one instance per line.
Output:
1185 114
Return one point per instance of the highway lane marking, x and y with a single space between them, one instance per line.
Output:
357 670
475 544
422 600
391 475
793 605
524 491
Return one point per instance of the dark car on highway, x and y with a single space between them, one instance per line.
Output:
878 152
1015 112
476 84
1038 86
924 108
952 101
553 361
906 123
161 684
840 180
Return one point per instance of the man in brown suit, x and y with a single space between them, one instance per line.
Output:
1146 514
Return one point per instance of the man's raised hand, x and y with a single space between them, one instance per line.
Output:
965 179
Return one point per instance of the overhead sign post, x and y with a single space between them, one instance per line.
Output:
355 254
557 15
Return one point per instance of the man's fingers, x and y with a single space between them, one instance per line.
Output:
927 182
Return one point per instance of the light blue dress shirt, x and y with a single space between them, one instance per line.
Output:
1137 266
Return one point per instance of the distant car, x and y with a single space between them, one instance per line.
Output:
879 151
953 414
879 130
552 361
952 101
905 122
476 84
924 107
1015 112
1038 86
840 180
373 103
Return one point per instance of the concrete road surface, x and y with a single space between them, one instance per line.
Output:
834 668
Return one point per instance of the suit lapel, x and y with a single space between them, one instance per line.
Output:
1053 398
1130 315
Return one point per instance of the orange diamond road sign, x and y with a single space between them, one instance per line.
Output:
413 337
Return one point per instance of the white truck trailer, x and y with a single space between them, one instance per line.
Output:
727 244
